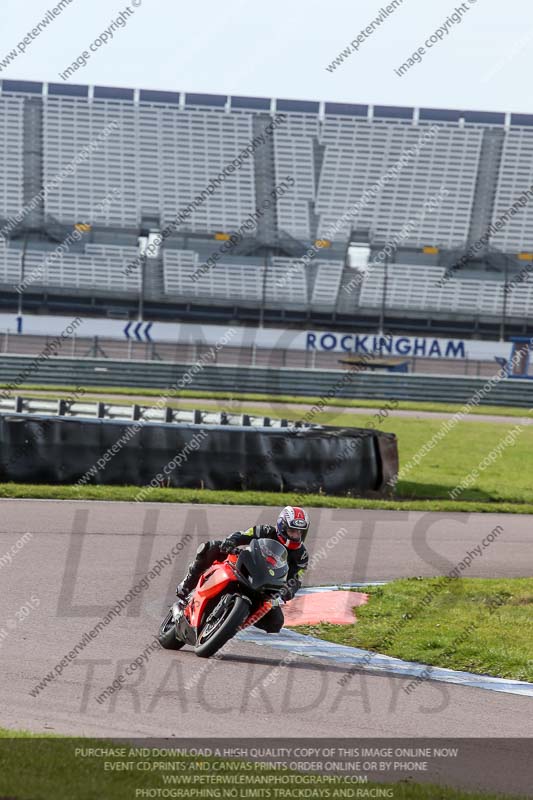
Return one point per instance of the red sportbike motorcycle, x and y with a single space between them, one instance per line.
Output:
230 595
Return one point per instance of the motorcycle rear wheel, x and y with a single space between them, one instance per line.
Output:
215 634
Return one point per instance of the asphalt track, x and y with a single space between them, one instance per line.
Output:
83 556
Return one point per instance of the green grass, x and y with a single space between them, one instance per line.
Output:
104 392
463 449
464 627
503 486
507 480
234 498
36 767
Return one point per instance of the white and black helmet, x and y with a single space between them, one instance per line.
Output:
292 526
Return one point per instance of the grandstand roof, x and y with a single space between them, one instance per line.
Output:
220 101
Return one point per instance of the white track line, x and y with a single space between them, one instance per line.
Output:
341 586
293 642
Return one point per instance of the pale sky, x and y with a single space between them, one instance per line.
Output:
280 48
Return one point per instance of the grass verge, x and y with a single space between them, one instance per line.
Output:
461 452
478 625
499 484
247 498
35 767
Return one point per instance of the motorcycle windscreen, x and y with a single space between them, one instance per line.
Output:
273 552
264 564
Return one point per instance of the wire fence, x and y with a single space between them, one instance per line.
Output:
180 353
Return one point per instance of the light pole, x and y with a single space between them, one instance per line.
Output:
504 302
22 271
142 242
141 294
384 294
263 294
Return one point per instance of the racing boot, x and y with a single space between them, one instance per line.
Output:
206 554
184 588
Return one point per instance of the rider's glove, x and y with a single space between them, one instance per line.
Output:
231 551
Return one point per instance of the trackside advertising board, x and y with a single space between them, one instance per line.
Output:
354 342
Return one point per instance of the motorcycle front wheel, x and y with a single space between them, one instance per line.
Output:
167 634
221 626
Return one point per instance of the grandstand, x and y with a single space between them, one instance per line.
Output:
155 153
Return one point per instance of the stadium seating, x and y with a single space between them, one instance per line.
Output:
103 269
416 288
284 281
69 126
326 285
11 155
358 153
100 267
516 176
154 153
235 281
194 148
293 153
9 265
159 159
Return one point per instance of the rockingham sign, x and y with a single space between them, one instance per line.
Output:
425 347
354 342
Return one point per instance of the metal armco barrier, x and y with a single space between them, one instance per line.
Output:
274 381
146 413
63 450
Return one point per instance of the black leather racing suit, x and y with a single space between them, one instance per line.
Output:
209 552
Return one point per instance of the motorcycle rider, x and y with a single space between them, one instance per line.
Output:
291 529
